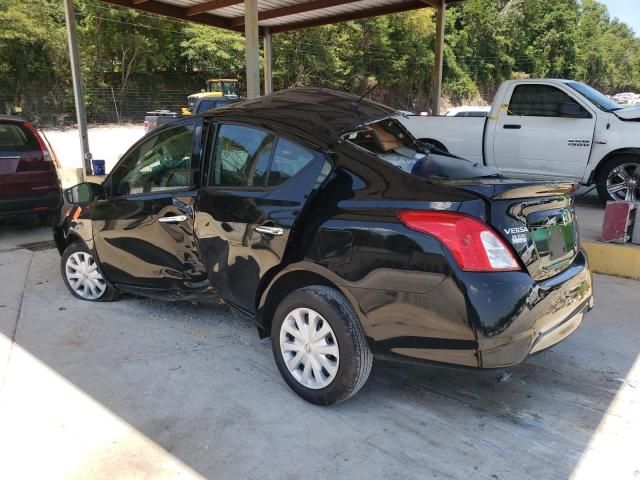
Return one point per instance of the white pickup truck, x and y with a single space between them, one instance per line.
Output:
550 129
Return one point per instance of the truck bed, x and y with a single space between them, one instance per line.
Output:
464 134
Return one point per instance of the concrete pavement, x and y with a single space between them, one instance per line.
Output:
145 389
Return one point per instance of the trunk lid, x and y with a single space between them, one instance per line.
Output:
536 218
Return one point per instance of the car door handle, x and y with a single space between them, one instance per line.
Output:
174 219
511 126
269 230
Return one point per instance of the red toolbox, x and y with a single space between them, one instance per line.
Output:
619 218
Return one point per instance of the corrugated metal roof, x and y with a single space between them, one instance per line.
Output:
279 15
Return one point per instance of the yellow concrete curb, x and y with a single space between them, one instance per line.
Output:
612 259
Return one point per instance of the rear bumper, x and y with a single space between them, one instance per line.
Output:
546 314
481 320
45 203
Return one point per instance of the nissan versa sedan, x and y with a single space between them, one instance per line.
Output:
316 214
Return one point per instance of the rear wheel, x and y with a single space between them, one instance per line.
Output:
83 277
319 345
619 179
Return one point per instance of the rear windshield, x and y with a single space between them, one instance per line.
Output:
14 137
389 141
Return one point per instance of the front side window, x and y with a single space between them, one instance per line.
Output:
538 101
597 98
163 162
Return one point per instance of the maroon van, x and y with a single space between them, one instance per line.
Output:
29 183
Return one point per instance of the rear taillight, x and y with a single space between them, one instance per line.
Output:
43 146
473 244
146 126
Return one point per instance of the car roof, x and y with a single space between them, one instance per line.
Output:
319 112
11 118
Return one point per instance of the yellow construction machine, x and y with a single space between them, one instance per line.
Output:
216 87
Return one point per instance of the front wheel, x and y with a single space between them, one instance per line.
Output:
319 345
83 277
619 179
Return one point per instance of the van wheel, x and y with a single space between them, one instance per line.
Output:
83 277
619 179
319 345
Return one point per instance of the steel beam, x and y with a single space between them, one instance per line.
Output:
268 61
78 94
210 5
251 36
436 93
345 17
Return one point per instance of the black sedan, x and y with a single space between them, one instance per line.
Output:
316 214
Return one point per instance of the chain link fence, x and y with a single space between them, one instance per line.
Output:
56 109
103 105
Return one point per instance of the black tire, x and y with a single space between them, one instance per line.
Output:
607 169
109 294
355 358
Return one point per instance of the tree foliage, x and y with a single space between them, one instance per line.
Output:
487 41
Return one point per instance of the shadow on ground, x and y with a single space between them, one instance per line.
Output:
199 383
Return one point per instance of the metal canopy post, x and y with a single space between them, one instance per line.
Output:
251 36
76 74
268 60
437 68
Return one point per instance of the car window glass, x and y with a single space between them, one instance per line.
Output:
206 105
288 160
15 137
161 163
537 101
241 156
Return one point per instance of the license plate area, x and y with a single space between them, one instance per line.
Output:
554 236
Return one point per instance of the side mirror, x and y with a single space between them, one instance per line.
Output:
572 110
83 193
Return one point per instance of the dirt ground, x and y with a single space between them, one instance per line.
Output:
146 389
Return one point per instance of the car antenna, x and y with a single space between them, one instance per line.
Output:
355 104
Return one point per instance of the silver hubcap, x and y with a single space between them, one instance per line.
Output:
623 183
309 348
83 276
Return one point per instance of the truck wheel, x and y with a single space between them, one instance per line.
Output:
619 179
319 345
83 277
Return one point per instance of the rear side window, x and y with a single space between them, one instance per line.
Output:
250 157
242 156
537 101
14 137
288 160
